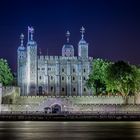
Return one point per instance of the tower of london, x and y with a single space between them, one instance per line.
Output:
63 75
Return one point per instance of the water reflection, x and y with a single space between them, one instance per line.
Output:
69 130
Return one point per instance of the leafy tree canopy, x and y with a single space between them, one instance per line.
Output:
6 77
119 77
122 77
97 76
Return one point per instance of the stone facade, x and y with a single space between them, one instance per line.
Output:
53 75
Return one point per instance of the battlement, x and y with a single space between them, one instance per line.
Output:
55 58
77 99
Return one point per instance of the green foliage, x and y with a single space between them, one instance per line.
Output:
136 79
119 77
122 77
6 77
97 76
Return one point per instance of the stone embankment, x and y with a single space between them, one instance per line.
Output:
96 116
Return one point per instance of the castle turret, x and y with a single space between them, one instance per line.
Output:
21 69
31 63
68 49
83 45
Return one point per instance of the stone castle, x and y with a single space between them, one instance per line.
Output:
64 75
58 83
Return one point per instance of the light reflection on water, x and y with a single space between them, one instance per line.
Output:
69 130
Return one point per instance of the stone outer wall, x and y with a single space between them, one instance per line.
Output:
74 103
9 90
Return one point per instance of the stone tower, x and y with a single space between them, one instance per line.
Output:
68 49
83 46
21 69
31 63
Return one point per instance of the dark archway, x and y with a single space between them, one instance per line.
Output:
56 108
40 90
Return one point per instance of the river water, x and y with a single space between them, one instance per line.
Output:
26 130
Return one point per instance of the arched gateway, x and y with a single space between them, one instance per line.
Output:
56 108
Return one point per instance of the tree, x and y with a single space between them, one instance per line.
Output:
6 77
96 80
123 78
136 81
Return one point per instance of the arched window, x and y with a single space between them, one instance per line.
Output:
84 70
84 78
51 88
73 78
73 70
63 89
40 90
84 89
62 69
51 77
62 78
73 89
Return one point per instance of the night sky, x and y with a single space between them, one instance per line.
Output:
112 27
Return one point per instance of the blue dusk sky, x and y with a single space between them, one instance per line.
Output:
112 27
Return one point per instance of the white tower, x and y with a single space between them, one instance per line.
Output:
31 63
68 49
83 45
21 69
